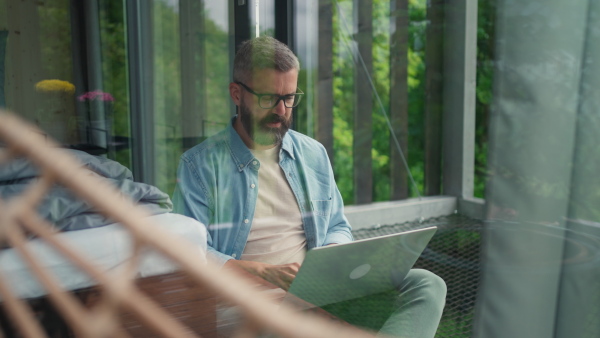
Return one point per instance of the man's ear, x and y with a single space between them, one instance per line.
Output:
235 92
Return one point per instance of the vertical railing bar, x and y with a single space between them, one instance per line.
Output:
396 142
324 92
399 21
434 60
362 143
460 62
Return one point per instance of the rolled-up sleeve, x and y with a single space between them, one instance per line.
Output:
339 230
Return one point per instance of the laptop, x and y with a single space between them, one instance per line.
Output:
335 273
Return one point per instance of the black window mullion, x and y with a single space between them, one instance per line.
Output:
241 12
140 65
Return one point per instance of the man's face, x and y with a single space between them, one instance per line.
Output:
267 126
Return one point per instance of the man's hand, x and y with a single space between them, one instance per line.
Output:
280 275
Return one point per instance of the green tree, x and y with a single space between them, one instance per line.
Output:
344 66
114 69
485 68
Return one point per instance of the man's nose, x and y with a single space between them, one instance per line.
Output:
279 108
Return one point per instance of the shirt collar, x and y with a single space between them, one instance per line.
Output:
287 145
242 155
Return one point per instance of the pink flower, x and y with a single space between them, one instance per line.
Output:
96 94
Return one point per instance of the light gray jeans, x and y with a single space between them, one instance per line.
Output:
414 310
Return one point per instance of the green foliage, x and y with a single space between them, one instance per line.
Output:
380 153
210 89
55 42
216 42
167 82
167 92
114 69
416 93
485 68
343 98
344 67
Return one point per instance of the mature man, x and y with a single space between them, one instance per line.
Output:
267 194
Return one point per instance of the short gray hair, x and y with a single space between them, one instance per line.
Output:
263 52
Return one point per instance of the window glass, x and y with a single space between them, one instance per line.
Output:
65 71
306 34
191 75
346 62
37 80
167 83
115 77
189 49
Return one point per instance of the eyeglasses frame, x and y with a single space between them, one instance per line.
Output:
279 97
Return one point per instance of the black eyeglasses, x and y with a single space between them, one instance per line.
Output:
268 101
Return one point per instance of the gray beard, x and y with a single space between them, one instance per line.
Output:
264 136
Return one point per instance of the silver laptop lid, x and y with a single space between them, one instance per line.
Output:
336 273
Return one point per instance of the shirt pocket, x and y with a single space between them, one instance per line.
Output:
321 207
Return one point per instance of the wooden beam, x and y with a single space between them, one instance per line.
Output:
460 46
399 97
363 107
434 62
324 94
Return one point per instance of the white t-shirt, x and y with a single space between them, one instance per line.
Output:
277 234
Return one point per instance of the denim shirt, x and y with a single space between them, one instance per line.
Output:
218 186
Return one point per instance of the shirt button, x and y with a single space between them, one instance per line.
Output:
234 255
252 185
254 162
246 221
